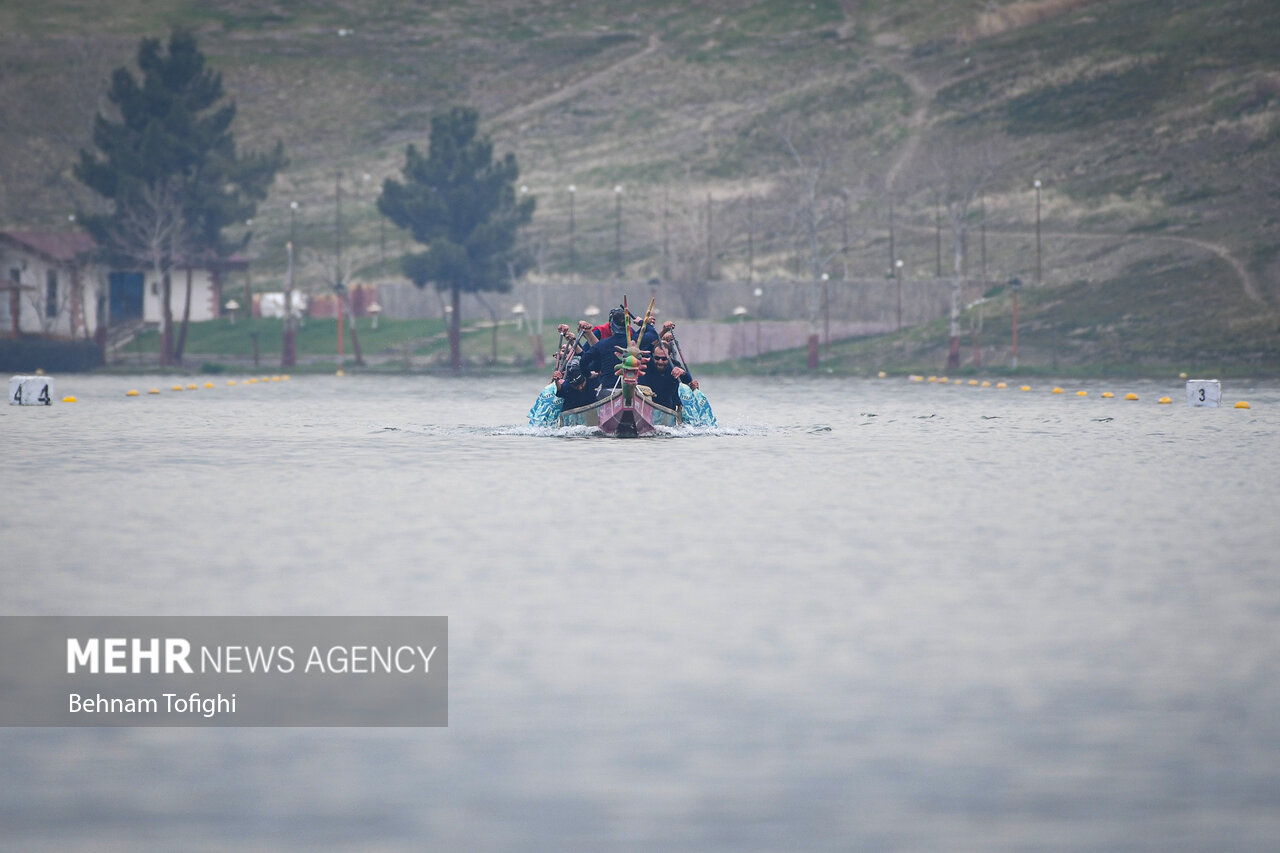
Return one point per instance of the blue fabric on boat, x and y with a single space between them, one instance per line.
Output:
696 409
546 409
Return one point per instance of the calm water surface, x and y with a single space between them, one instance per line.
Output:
871 615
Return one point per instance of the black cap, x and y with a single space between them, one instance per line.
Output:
618 318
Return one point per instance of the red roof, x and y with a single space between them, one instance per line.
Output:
61 246
64 246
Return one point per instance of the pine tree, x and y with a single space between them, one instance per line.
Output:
173 133
461 204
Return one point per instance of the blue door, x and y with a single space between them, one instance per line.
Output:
126 296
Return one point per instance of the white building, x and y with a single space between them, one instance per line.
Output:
51 285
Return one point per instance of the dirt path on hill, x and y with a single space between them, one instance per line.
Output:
1247 282
915 132
576 87
915 122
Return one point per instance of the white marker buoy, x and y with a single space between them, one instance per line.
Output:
1204 393
30 391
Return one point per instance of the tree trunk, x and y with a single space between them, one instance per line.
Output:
953 353
186 318
289 353
166 322
455 331
355 336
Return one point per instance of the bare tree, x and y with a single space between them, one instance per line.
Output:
960 175
48 315
331 271
153 230
685 235
817 208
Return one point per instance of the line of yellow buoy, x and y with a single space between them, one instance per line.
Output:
192 386
1106 395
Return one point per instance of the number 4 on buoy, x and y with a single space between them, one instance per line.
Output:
30 391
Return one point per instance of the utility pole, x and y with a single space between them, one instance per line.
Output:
893 255
710 256
573 250
937 220
1037 231
337 266
617 229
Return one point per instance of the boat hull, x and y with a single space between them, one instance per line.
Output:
616 416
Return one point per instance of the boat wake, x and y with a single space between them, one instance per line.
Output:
578 432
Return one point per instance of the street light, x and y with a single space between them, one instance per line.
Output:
573 252
897 267
519 312
617 229
1015 284
375 309
759 295
232 307
826 313
1037 185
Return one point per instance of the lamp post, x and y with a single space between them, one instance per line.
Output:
759 294
617 229
897 268
826 313
232 307
519 312
740 311
573 252
374 309
1015 284
1037 185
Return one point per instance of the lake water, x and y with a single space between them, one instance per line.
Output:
860 615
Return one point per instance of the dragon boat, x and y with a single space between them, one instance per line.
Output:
629 410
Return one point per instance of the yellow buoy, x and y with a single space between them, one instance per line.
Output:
68 399
154 391
942 380
915 378
973 382
1058 391
1164 401
1182 376
1082 393
231 382
1107 395
275 378
176 388
286 377
882 374
1026 388
132 393
986 384
208 384
1243 404
1001 385
933 379
192 387
1131 396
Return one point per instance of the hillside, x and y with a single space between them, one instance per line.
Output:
1152 126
